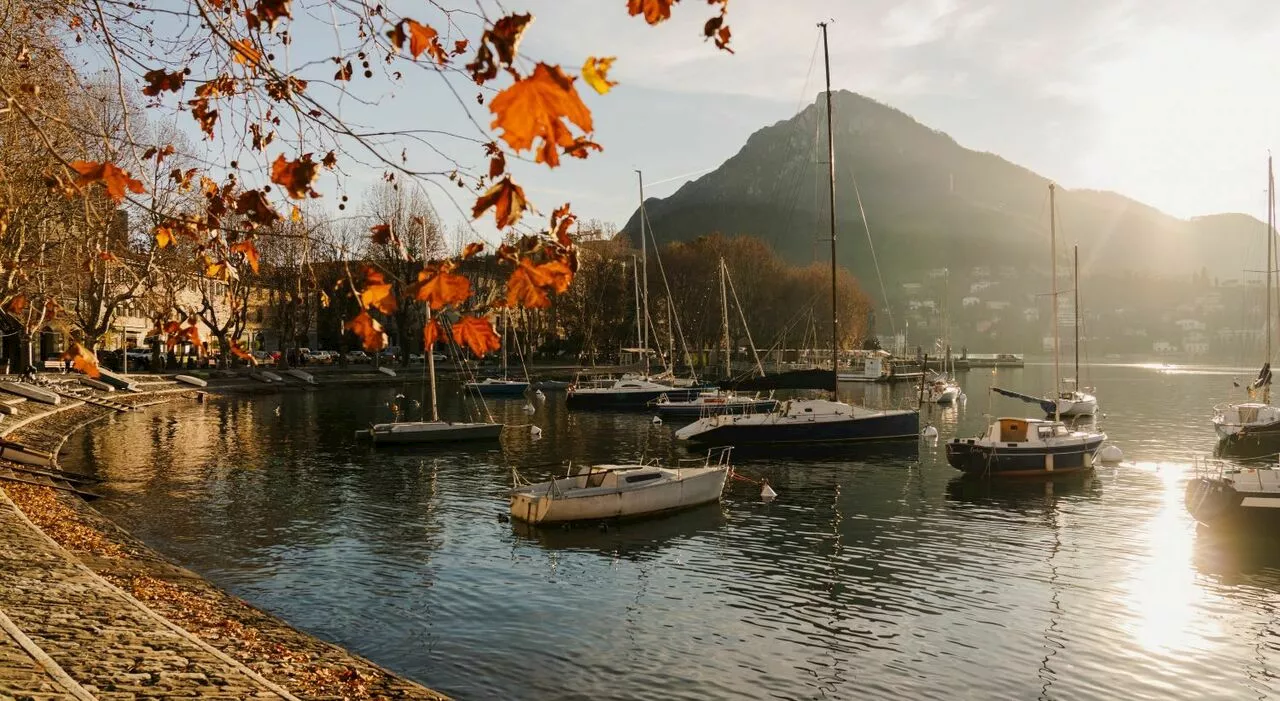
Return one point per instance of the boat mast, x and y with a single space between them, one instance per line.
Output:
1075 277
635 266
831 182
506 322
1053 272
430 351
724 313
644 274
1271 235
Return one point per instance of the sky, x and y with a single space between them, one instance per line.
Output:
1173 103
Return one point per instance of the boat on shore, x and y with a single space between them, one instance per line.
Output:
1222 495
1016 447
622 491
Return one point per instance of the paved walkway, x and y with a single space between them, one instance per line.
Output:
77 636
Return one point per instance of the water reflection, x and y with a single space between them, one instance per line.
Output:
876 573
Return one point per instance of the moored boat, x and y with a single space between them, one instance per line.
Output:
1223 495
429 432
712 404
623 491
497 387
625 393
805 421
1017 447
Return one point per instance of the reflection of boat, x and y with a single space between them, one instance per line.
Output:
1023 447
1018 495
624 538
1230 495
803 421
623 491
712 403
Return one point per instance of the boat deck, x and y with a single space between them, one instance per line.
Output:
1264 482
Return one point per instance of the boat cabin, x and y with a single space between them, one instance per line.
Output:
1011 430
617 476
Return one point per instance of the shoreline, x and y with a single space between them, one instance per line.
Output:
103 615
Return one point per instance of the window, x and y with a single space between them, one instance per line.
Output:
643 478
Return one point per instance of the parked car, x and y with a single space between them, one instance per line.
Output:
261 356
438 357
417 358
357 356
320 357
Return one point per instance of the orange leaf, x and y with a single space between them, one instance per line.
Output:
116 181
249 250
268 11
507 200
82 360
344 72
529 283
16 305
161 80
108 257
431 332
245 54
239 351
297 176
655 11
504 39
535 107
477 334
472 248
295 215
381 234
595 71
369 331
441 287
377 292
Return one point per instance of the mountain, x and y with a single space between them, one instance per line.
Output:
929 203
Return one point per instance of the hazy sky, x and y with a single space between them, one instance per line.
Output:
1173 103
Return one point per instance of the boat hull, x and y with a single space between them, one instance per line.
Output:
890 425
1215 502
498 389
975 458
636 399
428 432
702 487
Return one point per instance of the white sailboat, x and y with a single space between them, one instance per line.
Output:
940 387
500 386
623 491
1252 428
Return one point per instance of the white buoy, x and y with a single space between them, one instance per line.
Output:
930 431
657 420
1111 454
766 492
535 432
277 411
962 398
538 393
528 408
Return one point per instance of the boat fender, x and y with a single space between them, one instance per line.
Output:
766 492
930 431
535 432
539 395
657 421
528 408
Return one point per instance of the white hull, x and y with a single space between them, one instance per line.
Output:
570 499
1082 404
403 432
39 394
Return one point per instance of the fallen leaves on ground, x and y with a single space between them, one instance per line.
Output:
60 521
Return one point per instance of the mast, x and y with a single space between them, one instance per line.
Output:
639 320
644 274
724 313
831 182
430 352
1053 272
1271 236
1075 277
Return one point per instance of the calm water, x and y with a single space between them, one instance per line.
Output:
877 574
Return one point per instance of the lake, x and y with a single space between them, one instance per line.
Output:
876 573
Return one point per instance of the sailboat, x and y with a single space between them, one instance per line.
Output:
1013 447
1252 428
503 386
811 421
941 387
633 391
714 402
1075 400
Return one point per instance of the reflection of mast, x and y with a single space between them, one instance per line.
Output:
1052 634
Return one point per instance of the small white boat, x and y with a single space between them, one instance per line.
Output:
941 389
623 491
713 403
497 387
429 432
189 380
387 371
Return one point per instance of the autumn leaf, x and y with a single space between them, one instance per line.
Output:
506 198
595 71
249 251
329 161
344 72
431 332
529 283
245 54
370 332
439 287
240 352
16 305
535 107
82 360
476 334
472 248
655 11
160 80
381 234
422 38
254 205
377 293
217 270
295 214
561 220
268 11
296 176
116 181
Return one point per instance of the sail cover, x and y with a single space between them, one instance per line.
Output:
1264 377
815 378
1048 405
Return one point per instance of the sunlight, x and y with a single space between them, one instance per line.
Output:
1164 593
